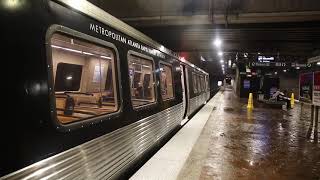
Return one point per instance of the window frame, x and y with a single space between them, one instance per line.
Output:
143 56
172 78
59 29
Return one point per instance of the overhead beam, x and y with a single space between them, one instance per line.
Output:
241 18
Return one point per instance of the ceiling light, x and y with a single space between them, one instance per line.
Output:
297 67
221 61
318 63
69 77
86 53
105 57
217 42
284 70
220 53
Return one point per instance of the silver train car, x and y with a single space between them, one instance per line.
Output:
90 97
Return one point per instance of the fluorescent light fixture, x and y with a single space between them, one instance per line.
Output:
220 53
67 49
80 52
146 66
284 70
297 67
217 42
105 57
221 61
86 53
318 63
222 65
229 63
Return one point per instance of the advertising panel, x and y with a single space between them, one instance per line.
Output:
316 89
306 87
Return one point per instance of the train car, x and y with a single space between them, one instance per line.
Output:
87 95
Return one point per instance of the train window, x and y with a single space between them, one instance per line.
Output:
141 80
194 82
84 79
198 83
166 81
202 83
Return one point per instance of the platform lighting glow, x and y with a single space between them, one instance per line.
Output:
284 70
276 73
297 67
217 42
318 63
222 65
229 63
221 61
13 4
220 53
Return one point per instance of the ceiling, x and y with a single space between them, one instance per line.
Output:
286 29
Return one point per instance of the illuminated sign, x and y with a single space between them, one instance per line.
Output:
265 59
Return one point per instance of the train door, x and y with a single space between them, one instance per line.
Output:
185 91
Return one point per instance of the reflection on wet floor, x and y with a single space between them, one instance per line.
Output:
262 144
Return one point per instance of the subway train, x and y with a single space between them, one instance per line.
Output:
87 96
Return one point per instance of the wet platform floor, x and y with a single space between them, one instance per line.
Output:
260 144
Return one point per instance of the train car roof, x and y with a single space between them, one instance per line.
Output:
95 12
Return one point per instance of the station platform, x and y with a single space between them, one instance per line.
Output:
226 141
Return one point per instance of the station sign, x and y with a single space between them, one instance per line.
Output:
269 64
265 59
279 64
